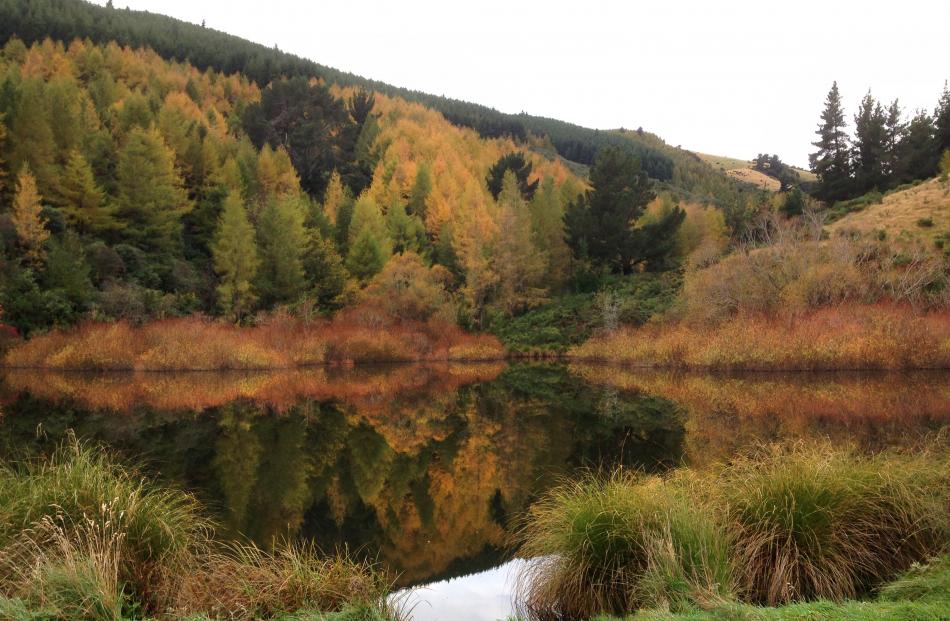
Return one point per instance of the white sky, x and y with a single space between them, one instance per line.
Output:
730 78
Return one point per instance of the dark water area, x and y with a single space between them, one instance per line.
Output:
428 468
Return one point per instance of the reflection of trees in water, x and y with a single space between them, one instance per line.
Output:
725 413
426 480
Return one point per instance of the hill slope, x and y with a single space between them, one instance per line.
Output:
34 20
921 212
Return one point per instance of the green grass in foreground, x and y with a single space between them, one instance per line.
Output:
783 525
920 594
85 539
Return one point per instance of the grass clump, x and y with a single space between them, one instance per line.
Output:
814 522
783 525
615 544
82 538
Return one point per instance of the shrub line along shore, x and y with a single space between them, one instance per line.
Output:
858 338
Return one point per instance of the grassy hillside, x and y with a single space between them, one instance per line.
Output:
920 213
742 171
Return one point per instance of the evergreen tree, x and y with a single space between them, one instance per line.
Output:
151 200
366 257
831 162
869 150
519 265
28 222
516 163
421 187
282 240
68 272
325 273
599 225
893 134
942 120
919 155
235 258
83 202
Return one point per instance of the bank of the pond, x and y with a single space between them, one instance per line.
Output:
843 337
82 537
801 523
200 344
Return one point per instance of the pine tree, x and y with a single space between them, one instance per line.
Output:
236 260
68 272
600 224
366 257
83 202
893 134
334 197
942 120
831 162
151 200
516 163
27 218
519 265
325 273
869 151
919 155
282 240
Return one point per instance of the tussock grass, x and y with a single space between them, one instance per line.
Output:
82 538
822 523
783 524
614 544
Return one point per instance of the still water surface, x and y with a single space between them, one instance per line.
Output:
427 468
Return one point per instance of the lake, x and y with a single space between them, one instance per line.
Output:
428 468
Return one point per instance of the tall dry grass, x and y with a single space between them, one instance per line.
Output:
84 538
201 344
841 337
781 524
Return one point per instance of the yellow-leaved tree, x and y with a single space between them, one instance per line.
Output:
28 221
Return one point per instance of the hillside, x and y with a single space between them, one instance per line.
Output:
743 171
919 213
34 20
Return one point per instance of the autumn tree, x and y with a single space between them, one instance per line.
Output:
519 265
419 192
282 241
84 204
407 289
151 201
831 162
517 164
547 219
27 218
31 137
235 258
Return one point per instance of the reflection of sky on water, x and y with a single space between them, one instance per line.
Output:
485 596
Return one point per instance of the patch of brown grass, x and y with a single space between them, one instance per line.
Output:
841 337
200 344
899 212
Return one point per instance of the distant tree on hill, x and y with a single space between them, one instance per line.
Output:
869 154
516 163
831 162
774 167
942 120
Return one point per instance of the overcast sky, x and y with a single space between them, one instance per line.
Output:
730 78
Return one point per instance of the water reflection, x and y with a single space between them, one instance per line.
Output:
428 467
